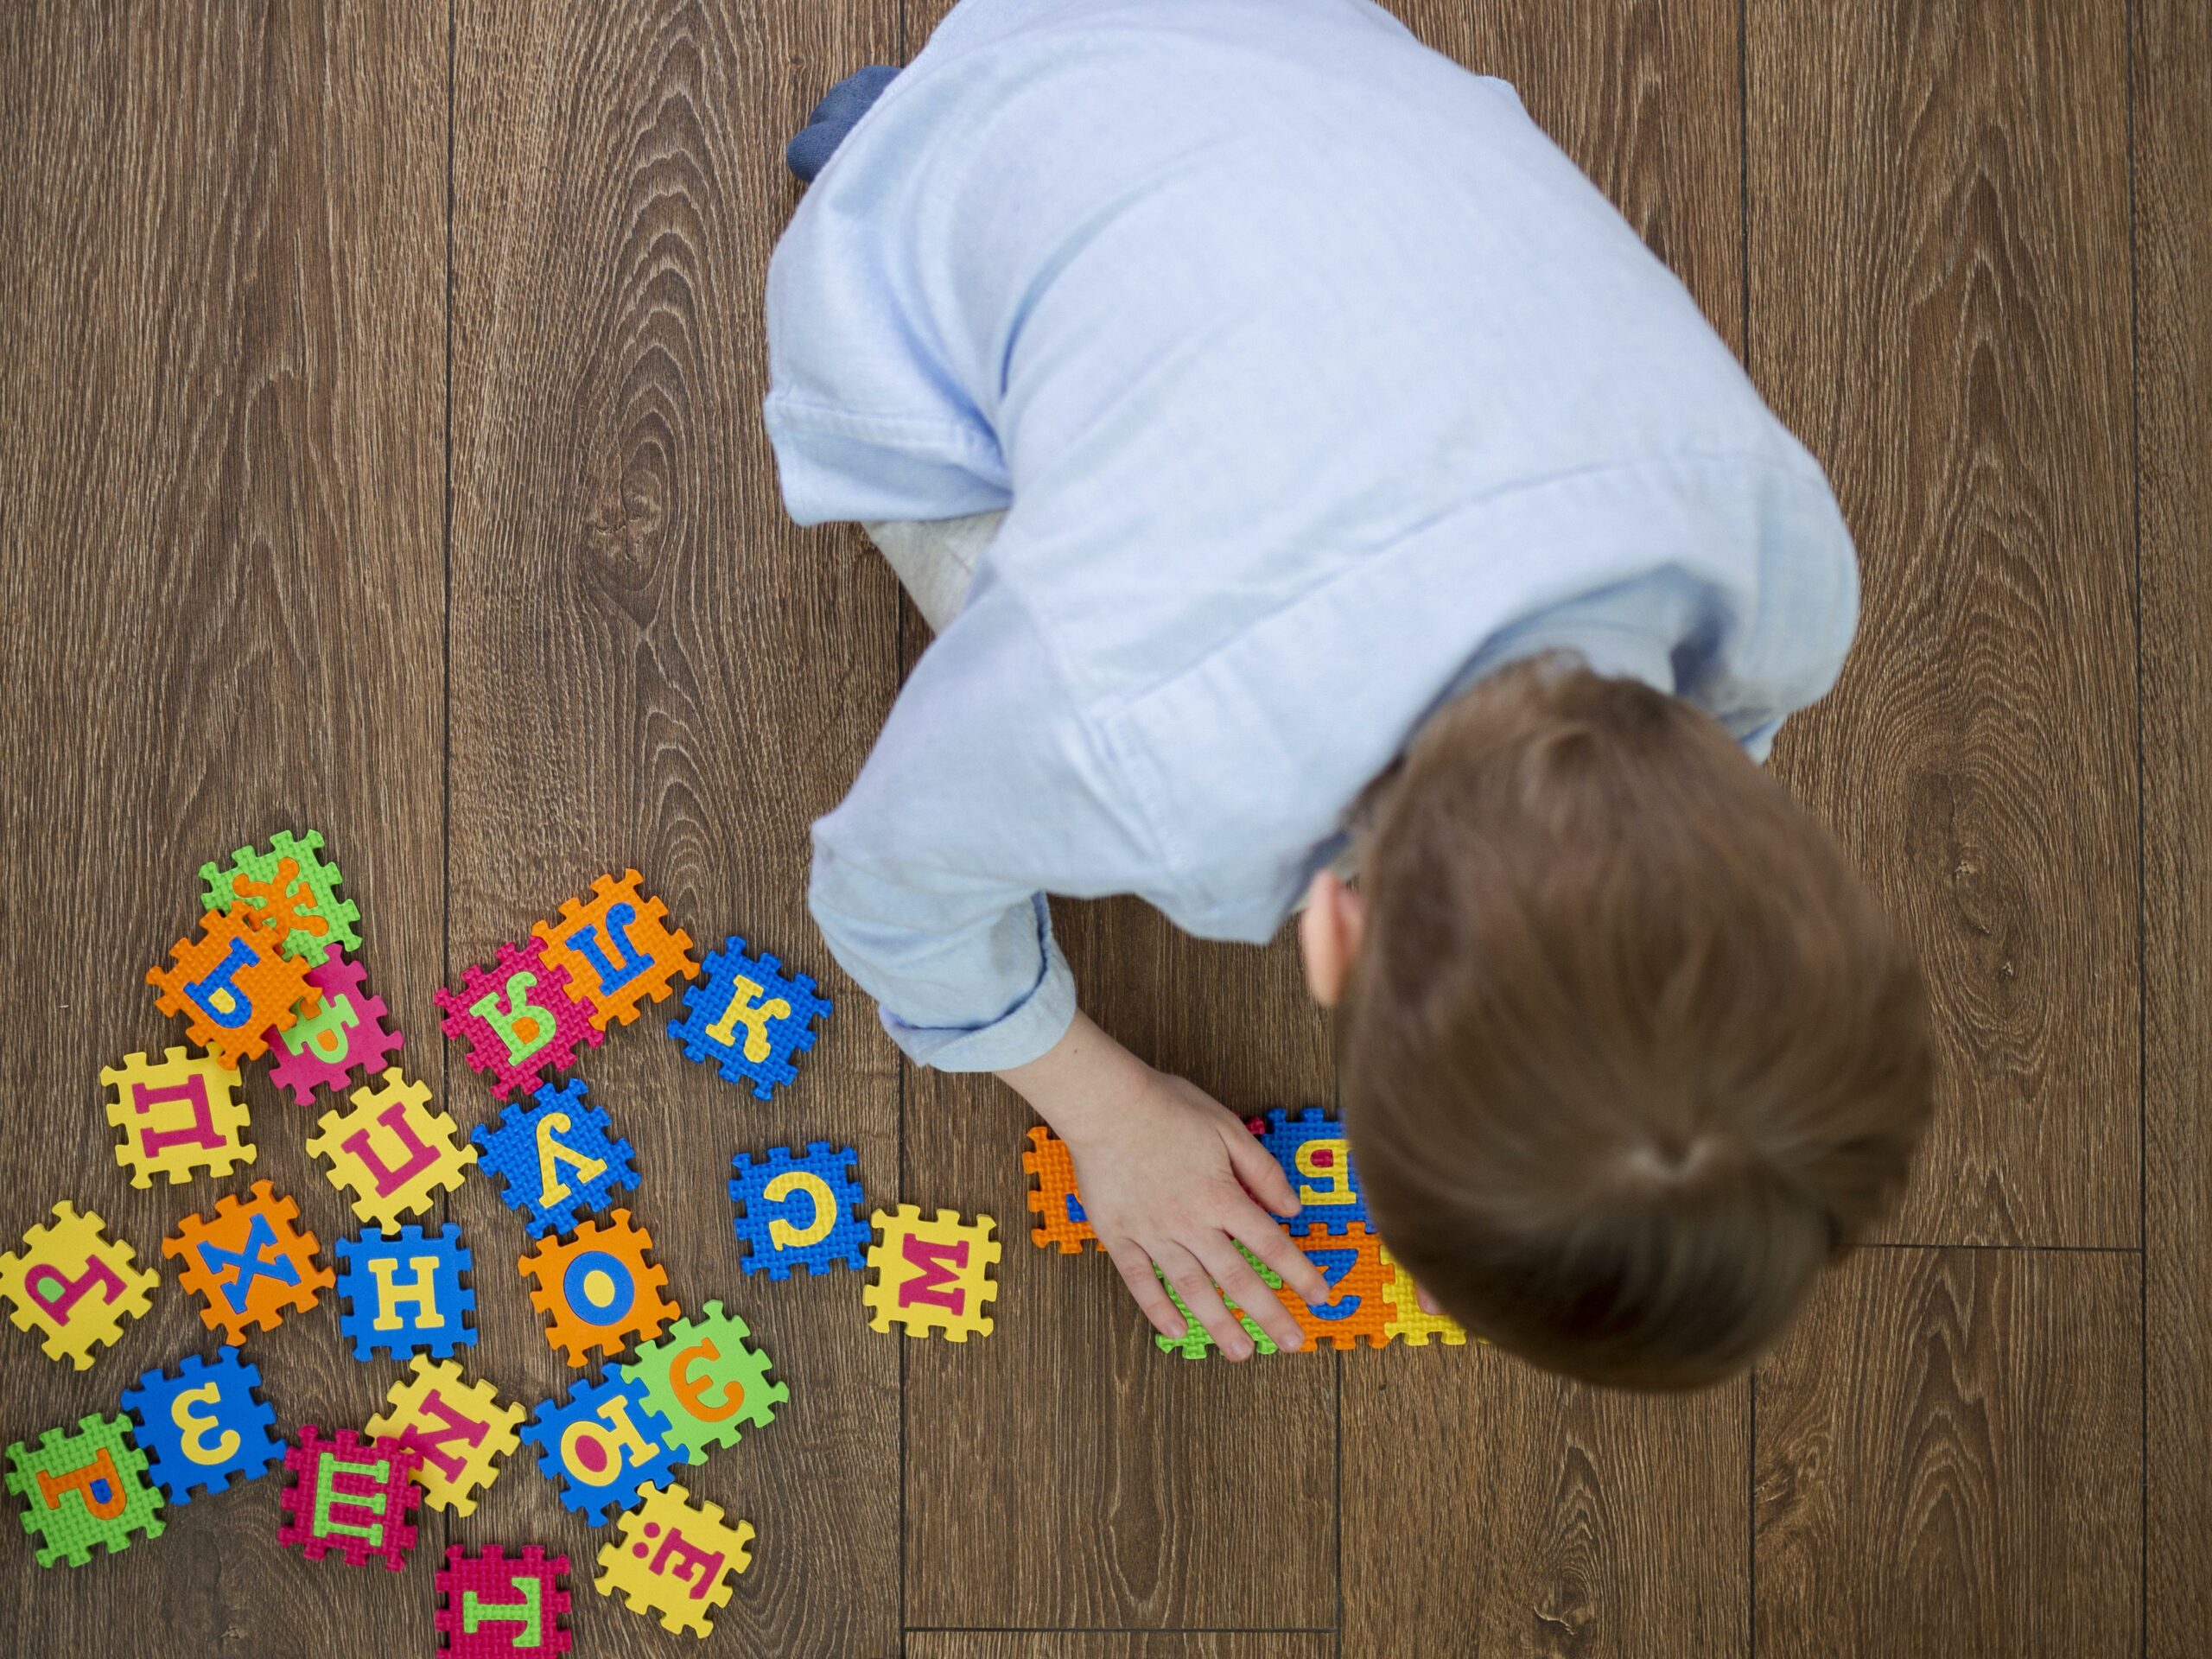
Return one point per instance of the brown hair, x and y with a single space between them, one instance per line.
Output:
1629 1051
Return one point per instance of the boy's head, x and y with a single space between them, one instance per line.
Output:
1629 1052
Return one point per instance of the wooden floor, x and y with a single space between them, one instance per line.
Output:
380 446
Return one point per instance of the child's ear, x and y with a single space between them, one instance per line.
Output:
1330 929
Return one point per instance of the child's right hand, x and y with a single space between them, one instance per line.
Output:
1171 1178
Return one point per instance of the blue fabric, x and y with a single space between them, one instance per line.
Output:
844 105
1316 384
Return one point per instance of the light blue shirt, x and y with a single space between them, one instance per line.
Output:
1316 382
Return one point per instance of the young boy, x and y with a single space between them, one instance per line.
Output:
1304 467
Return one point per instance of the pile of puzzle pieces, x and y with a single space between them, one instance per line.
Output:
1371 1301
274 971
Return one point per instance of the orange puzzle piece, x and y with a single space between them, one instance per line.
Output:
235 986
597 1289
249 1263
1359 1307
618 949
1052 1196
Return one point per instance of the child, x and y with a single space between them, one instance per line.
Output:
1306 469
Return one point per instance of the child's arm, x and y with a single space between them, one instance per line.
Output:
1169 1177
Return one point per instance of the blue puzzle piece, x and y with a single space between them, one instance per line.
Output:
800 1210
590 1448
1317 1160
733 1019
558 1159
403 1293
205 1427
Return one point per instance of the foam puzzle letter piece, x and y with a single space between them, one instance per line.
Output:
248 1263
494 1605
460 1430
617 949
291 889
392 1150
800 1210
603 1446
1197 1342
1358 1310
402 1292
1407 1322
930 1276
746 1019
352 1497
1316 1159
351 1036
234 986
75 1286
1061 1223
674 1562
83 1489
707 1383
519 1018
205 1427
558 1159
179 1116
598 1289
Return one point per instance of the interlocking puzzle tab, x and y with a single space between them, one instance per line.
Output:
351 1495
803 1211
597 1290
1052 1196
1317 1159
675 1562
602 1447
492 1605
617 949
1407 1321
402 1292
519 1018
461 1429
204 1428
83 1489
350 1037
248 1263
393 1150
1358 1309
291 888
930 1276
706 1382
1197 1342
747 1019
178 1117
234 986
74 1285
558 1160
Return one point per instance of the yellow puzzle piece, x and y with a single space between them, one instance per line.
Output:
74 1284
393 1150
460 1428
675 1562
932 1275
1408 1322
178 1116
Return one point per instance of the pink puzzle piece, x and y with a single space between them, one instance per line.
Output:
519 1018
351 1038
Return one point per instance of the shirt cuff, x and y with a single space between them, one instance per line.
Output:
1016 1037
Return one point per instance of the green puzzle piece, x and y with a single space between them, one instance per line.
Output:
308 900
708 1381
83 1489
1197 1342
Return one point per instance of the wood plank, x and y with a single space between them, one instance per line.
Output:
1120 1644
2173 197
1938 306
221 592
1947 1460
1569 1520
653 668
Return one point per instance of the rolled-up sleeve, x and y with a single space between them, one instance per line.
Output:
984 793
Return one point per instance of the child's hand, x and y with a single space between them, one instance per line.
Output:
1169 1177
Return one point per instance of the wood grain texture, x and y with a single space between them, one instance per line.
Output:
1491 1508
1949 1460
653 668
220 603
1565 1521
1004 1644
1940 308
2173 235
